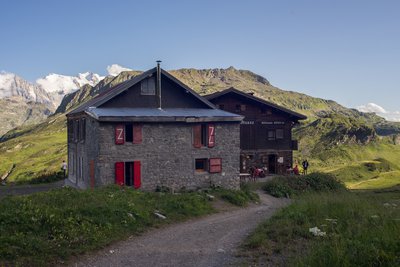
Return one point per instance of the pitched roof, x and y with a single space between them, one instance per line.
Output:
165 115
256 99
118 89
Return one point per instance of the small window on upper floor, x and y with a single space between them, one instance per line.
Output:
242 107
271 135
279 133
148 86
237 108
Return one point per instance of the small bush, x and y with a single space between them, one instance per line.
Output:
291 185
237 197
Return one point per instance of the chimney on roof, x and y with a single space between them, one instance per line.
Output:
159 83
251 93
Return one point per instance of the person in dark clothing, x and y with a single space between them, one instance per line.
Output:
305 166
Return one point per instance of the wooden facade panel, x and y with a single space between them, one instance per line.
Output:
259 120
172 96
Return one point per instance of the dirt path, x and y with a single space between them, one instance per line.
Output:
208 241
28 189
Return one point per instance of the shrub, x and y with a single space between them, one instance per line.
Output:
237 197
291 185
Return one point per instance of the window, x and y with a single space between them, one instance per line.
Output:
128 132
215 165
204 135
148 86
70 124
201 165
242 107
82 129
279 133
237 108
128 173
75 129
271 135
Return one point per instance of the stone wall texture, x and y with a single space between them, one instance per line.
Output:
167 156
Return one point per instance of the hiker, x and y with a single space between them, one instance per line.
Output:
296 170
305 166
64 168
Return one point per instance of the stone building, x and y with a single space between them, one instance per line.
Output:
153 131
265 132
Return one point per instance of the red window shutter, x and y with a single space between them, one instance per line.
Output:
215 165
197 136
119 173
137 133
119 134
211 135
137 179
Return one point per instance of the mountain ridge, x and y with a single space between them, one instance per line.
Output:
326 136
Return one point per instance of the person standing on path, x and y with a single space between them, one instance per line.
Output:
305 166
64 168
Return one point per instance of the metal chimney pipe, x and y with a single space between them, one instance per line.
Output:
159 83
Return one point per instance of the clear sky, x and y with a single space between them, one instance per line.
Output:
347 51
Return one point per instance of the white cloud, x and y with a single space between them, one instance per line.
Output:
371 107
388 115
116 69
392 116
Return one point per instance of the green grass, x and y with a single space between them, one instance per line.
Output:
238 198
384 180
362 229
287 186
37 151
44 229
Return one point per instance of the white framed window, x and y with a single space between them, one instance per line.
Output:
148 86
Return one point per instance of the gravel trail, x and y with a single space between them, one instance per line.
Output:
206 241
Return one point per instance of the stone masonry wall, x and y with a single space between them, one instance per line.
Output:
167 156
259 158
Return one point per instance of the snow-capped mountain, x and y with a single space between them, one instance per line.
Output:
23 102
67 84
52 88
59 85
13 86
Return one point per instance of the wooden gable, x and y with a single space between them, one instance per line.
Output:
265 125
144 95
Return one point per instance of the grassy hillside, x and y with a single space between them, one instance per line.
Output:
334 138
351 149
35 150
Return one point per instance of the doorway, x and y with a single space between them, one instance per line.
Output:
128 173
272 164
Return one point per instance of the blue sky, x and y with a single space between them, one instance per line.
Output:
348 51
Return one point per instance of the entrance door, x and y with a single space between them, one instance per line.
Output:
272 164
128 173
